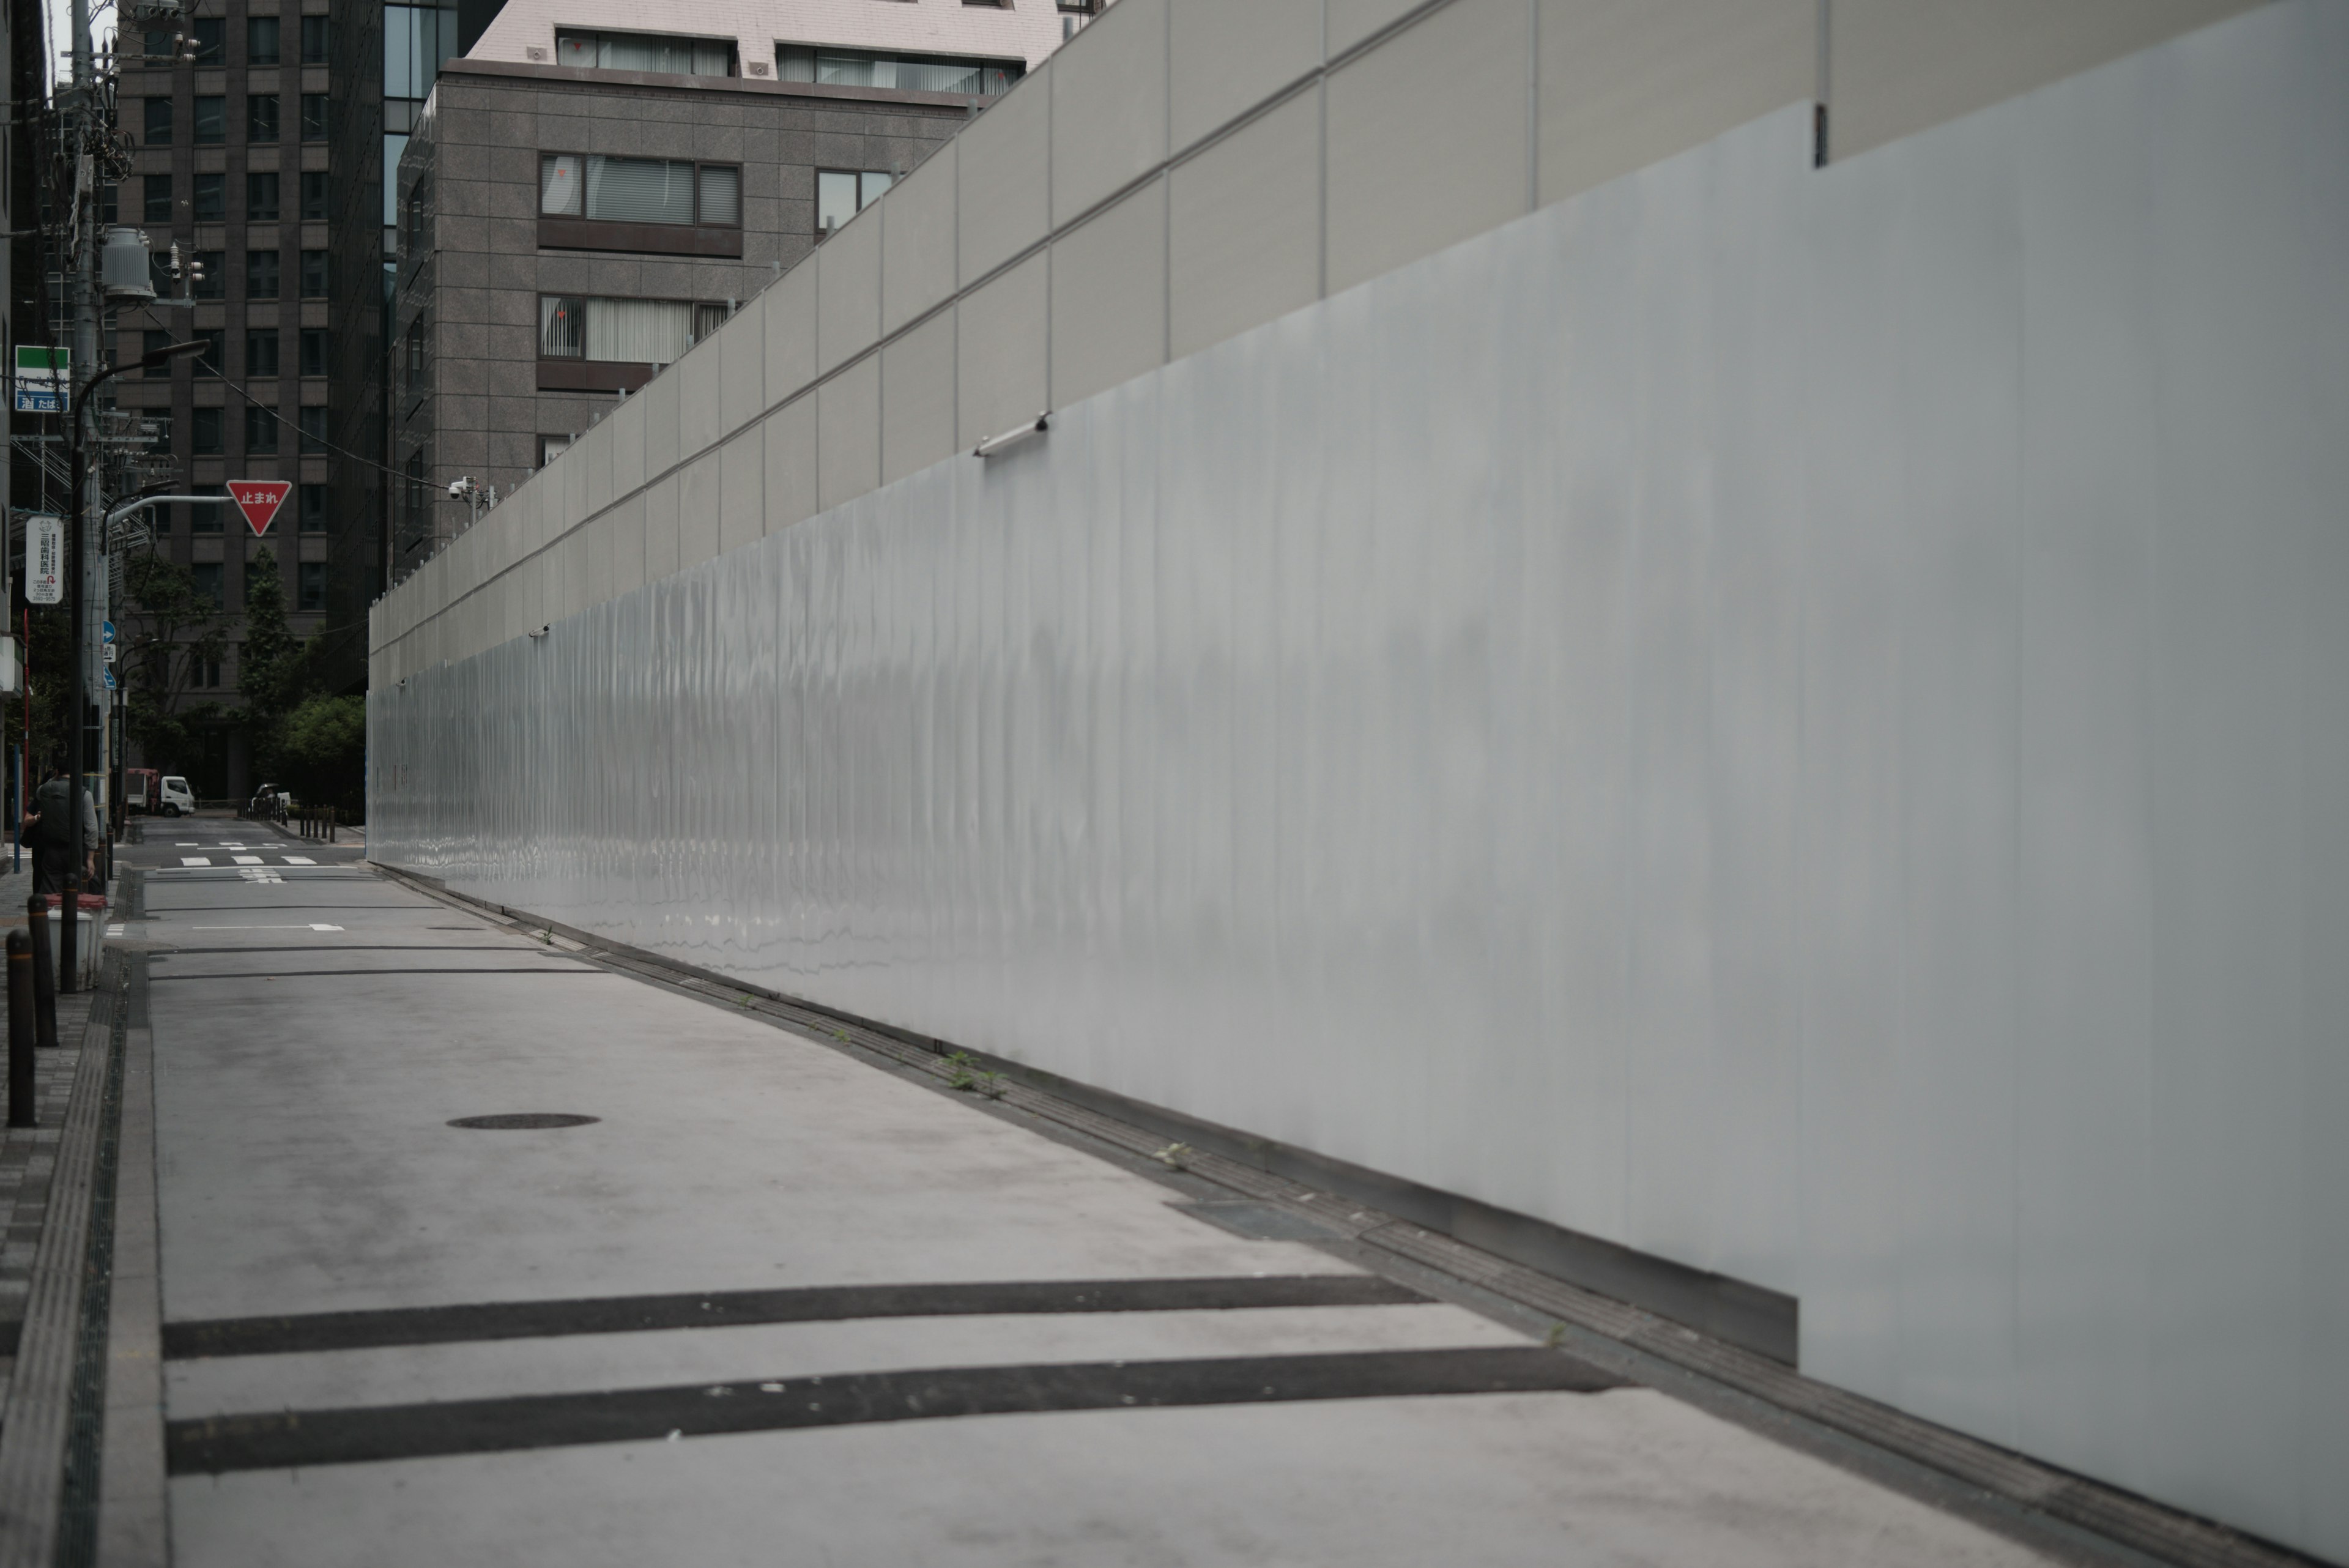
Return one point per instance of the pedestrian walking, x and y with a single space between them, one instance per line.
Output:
48 829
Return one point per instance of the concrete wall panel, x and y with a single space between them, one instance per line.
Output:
1108 297
1000 371
848 433
1628 83
1351 21
1245 228
1109 89
848 291
1005 202
741 491
1427 139
917 252
791 332
700 394
787 445
1896 66
742 366
917 397
663 530
623 428
662 447
698 506
1226 56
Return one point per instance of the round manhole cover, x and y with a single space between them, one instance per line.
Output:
524 1120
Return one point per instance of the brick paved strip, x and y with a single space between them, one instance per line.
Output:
40 1393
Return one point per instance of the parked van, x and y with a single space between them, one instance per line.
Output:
176 798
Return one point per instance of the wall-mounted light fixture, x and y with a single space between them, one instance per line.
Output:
542 631
995 445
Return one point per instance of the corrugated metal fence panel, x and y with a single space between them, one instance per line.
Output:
1789 719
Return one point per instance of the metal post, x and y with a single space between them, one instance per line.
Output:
85 372
22 1111
45 978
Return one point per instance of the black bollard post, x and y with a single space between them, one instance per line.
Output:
45 978
21 1112
69 937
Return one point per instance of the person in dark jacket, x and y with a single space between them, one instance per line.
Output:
49 828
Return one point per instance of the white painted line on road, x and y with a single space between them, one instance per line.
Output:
299 860
309 928
246 860
190 844
251 874
114 930
195 859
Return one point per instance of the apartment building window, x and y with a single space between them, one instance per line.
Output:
261 354
158 198
215 354
212 198
261 275
312 500
842 194
159 122
260 432
204 433
901 73
639 190
646 52
260 198
260 117
313 590
313 195
110 204
210 121
314 40
314 114
314 427
158 422
261 41
618 331
211 277
551 447
148 341
412 485
413 341
208 581
208 519
313 350
318 279
211 40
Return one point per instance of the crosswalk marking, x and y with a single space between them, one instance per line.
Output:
195 860
246 860
299 860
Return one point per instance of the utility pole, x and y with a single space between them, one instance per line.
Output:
83 229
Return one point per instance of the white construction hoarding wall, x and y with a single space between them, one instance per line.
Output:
1794 719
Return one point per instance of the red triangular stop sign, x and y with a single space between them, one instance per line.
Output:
259 499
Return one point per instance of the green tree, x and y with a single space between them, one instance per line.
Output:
323 743
178 630
271 671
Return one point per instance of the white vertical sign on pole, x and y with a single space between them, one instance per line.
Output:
45 560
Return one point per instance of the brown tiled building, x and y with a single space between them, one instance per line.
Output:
568 228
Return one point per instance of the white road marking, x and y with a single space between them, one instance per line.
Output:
299 860
114 930
258 873
190 844
311 928
246 860
195 859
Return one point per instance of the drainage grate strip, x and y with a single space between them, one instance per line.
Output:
286 1439
731 1309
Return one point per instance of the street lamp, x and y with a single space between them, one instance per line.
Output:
77 569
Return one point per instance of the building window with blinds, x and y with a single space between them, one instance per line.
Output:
640 190
895 72
588 201
624 331
842 194
644 52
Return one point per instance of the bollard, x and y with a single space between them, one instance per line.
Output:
45 978
21 1112
69 937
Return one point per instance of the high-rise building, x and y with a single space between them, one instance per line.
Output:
261 160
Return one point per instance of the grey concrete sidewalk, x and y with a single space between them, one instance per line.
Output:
935 1335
